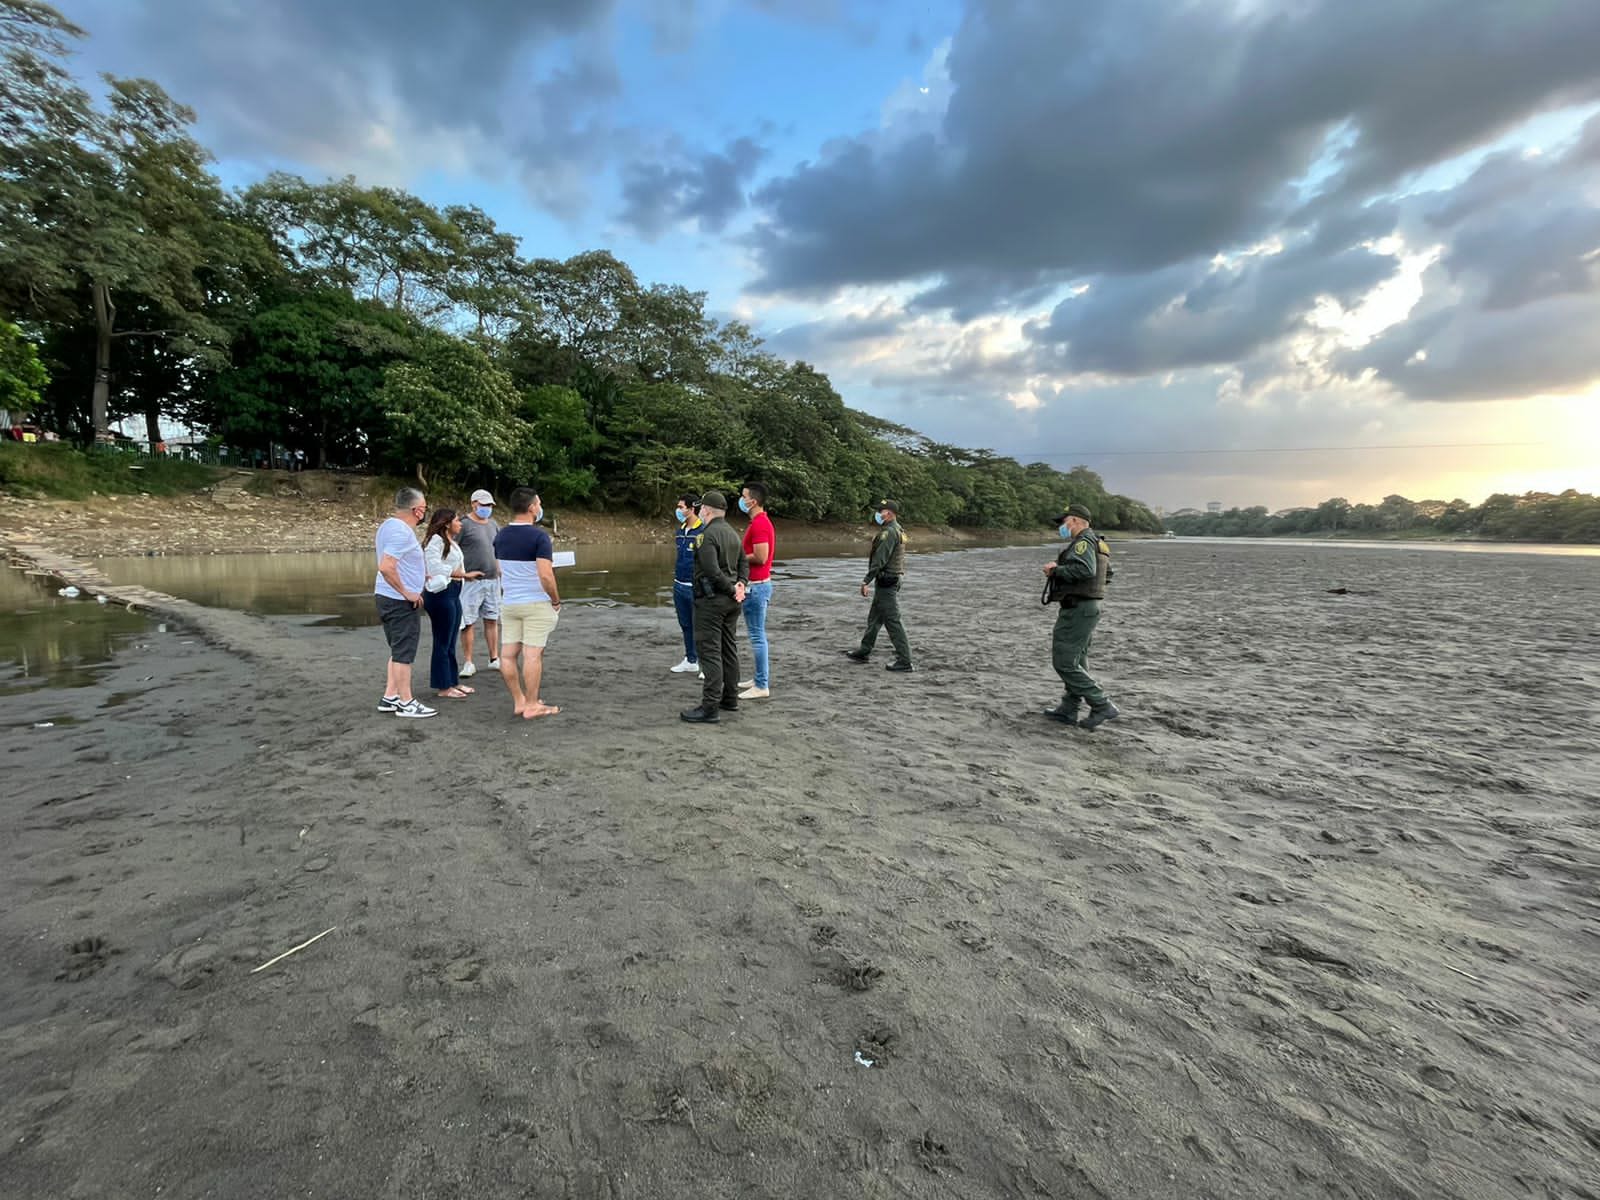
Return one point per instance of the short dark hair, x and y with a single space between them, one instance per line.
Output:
689 500
758 492
522 499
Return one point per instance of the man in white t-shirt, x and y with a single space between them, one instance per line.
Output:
398 592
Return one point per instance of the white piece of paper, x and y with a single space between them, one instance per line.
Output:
563 558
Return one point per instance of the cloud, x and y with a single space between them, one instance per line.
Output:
708 189
383 88
1125 136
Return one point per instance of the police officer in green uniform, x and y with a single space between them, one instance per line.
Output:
1077 581
721 572
886 567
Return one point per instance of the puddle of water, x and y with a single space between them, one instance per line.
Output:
49 641
338 587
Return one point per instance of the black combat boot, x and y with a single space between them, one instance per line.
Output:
700 715
1066 712
1099 716
858 655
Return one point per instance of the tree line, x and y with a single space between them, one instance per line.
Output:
1571 516
373 330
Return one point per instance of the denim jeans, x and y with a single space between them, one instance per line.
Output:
756 598
444 611
683 601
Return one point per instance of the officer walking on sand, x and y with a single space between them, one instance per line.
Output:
721 572
1077 582
886 567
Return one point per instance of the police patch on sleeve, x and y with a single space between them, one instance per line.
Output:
1080 546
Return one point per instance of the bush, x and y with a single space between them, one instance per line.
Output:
59 471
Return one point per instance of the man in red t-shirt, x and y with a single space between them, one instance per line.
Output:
760 548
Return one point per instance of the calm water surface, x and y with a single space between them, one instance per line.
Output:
49 641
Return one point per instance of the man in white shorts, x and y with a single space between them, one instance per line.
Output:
480 598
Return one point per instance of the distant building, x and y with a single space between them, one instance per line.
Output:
1289 512
1186 512
1213 506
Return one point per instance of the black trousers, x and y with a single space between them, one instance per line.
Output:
716 619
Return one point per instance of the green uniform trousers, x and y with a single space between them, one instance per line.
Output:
716 618
885 614
1069 651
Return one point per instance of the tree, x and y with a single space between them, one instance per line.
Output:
305 374
104 206
450 413
22 375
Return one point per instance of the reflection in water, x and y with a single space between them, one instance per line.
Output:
338 587
49 641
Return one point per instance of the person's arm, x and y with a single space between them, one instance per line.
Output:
759 553
436 572
882 553
705 557
547 580
389 568
1078 563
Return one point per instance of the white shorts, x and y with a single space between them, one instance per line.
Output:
479 598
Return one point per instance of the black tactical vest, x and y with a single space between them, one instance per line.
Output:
1088 589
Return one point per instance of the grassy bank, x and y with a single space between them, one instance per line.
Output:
51 470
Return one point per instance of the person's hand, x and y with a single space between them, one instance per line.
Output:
473 575
864 590
555 603
1049 568
415 598
739 592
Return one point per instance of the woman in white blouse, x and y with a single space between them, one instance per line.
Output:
441 600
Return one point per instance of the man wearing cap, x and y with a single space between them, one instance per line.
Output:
1078 583
480 598
721 572
886 567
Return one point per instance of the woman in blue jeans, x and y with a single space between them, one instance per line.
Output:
441 600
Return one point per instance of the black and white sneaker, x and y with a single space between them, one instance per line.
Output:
389 704
414 708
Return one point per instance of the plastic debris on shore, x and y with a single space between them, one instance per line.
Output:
70 592
44 724
864 1062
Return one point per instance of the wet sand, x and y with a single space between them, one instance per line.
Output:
1317 917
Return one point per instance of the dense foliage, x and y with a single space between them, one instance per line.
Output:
1534 517
369 329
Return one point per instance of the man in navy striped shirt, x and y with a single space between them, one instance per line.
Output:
530 603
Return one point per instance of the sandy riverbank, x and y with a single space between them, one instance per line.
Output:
1318 917
321 511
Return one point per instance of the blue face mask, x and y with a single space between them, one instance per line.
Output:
744 505
681 515
878 517
483 510
1064 531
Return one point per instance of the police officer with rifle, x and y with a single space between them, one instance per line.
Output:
1077 582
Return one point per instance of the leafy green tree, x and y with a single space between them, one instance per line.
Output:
22 375
451 414
306 373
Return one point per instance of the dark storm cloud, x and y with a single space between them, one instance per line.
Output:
319 82
1123 136
708 189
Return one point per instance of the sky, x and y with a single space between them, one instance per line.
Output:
1251 251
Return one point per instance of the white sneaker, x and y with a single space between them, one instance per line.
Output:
494 664
414 708
754 693
685 667
468 670
747 683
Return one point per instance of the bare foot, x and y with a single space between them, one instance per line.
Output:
539 710
455 693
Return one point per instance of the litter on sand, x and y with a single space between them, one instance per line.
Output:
294 950
864 1062
69 592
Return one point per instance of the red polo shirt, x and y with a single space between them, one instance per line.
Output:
760 531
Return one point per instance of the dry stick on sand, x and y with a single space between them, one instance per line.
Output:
295 950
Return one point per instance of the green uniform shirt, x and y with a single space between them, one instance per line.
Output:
888 554
1079 568
719 559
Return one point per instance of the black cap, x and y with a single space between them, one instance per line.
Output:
1075 510
892 505
714 499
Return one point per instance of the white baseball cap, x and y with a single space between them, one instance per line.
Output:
482 497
